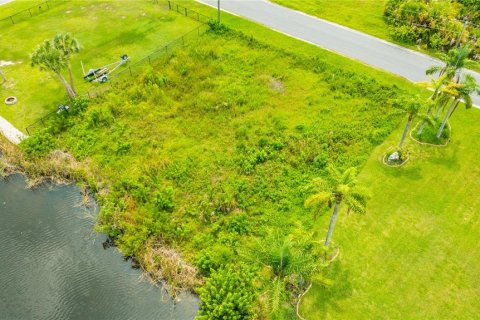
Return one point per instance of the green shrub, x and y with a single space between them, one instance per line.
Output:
38 144
404 34
163 199
228 294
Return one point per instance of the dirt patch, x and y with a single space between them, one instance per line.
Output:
276 85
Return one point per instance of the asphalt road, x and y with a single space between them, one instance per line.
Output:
345 41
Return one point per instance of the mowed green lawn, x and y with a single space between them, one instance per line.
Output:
105 30
362 15
415 254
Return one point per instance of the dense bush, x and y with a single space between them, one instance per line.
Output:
228 294
39 144
434 24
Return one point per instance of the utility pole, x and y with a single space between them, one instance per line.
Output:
218 7
465 23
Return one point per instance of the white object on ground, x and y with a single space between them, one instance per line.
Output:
10 132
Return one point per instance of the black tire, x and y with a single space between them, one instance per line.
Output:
104 79
124 57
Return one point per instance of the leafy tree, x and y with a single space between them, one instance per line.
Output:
412 107
228 293
67 45
342 187
459 92
50 58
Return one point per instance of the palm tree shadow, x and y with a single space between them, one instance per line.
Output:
409 172
341 289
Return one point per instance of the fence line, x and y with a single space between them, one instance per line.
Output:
192 14
130 71
31 11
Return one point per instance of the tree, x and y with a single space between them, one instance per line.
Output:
67 45
436 85
460 91
412 107
454 61
50 58
341 187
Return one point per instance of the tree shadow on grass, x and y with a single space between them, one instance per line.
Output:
327 298
410 172
446 157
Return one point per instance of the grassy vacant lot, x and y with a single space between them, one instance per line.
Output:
362 15
209 152
105 30
415 254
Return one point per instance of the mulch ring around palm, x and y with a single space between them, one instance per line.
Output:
389 158
428 137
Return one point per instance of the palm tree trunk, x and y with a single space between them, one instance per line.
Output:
444 122
332 222
440 107
434 97
405 131
70 74
70 92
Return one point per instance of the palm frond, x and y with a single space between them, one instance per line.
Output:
319 199
433 69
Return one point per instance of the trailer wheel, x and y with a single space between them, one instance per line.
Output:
124 57
104 79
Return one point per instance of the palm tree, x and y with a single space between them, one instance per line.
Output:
343 187
454 61
48 58
461 91
412 107
67 45
436 85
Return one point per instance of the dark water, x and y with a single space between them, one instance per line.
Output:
52 266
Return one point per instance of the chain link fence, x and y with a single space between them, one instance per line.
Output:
30 12
135 69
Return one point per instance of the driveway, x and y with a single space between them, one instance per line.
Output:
345 41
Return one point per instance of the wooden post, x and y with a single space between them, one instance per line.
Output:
13 22
169 5
186 14
30 12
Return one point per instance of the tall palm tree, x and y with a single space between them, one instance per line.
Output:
436 85
67 45
342 187
412 107
462 91
48 58
454 61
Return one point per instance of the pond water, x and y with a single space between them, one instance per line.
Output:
53 266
